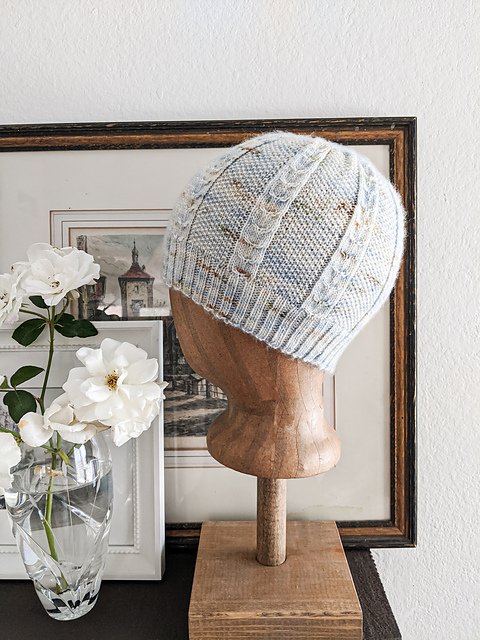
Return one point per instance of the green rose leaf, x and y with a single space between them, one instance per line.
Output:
19 403
29 331
23 374
71 328
65 326
67 317
85 329
38 301
4 384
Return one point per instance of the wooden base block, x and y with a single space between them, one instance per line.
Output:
311 595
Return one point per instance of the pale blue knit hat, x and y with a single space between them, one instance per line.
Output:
291 238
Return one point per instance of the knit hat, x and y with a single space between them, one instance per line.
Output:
291 238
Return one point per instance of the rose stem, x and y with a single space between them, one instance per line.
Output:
47 522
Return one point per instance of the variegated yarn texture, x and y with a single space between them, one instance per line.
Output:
291 238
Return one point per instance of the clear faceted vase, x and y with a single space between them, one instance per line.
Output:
61 521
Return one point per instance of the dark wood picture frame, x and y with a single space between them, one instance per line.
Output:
400 136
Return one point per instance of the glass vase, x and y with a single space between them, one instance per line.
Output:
61 518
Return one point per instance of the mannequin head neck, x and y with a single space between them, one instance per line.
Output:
274 426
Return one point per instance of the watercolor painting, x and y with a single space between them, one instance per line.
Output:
130 286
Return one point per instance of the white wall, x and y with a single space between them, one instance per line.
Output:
72 60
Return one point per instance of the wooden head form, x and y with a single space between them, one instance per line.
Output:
274 426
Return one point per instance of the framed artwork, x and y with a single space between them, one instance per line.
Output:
137 539
128 246
113 186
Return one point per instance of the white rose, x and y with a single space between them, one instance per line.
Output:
36 429
141 417
11 294
117 387
53 273
9 457
62 419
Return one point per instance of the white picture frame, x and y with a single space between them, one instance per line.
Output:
137 539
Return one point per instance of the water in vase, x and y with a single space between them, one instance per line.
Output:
63 541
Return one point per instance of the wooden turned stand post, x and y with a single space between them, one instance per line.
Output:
290 580
271 521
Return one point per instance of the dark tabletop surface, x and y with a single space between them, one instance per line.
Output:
148 610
